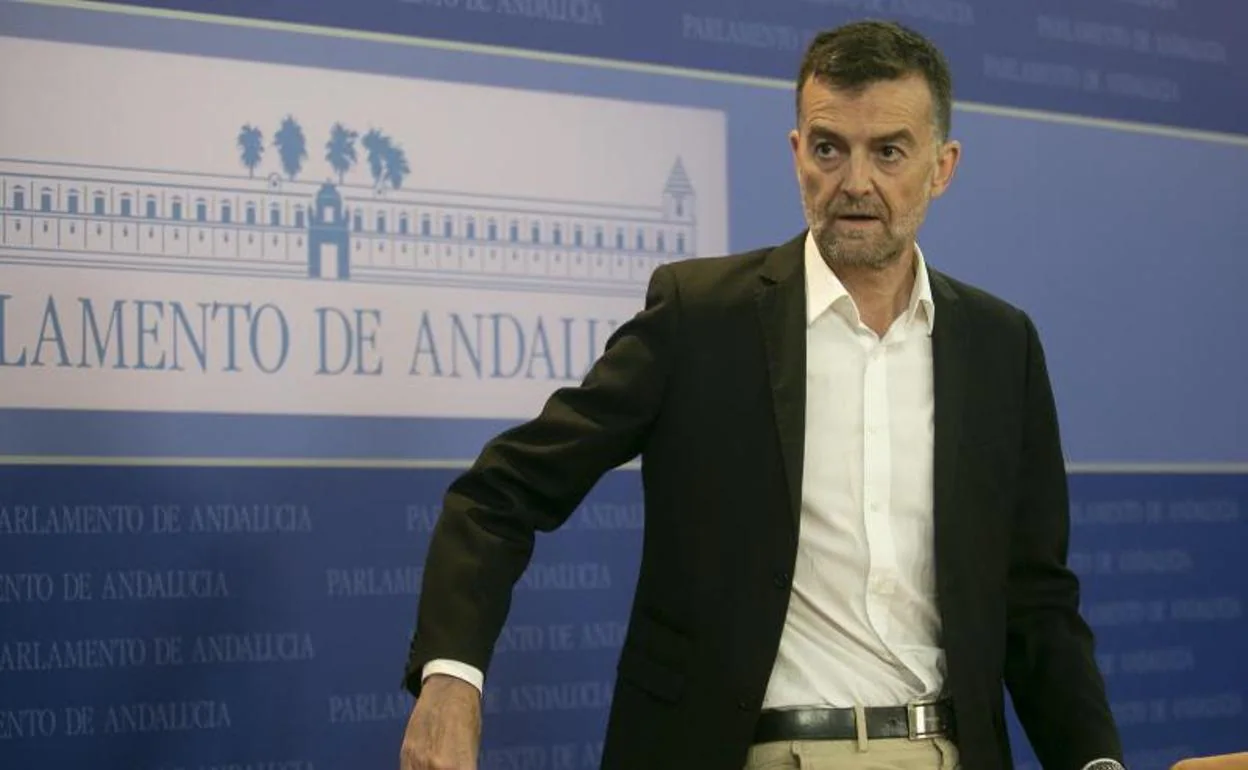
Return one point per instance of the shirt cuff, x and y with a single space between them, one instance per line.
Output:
470 674
1109 762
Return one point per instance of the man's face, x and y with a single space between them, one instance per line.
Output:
869 161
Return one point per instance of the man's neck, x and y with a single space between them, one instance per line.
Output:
880 293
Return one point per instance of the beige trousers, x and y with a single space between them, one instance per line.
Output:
885 754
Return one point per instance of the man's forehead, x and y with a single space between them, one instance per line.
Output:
904 100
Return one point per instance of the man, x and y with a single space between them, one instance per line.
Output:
856 505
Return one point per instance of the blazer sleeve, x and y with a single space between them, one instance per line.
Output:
1056 688
531 478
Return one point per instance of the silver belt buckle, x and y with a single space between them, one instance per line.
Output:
922 721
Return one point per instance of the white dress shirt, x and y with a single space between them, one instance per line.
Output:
862 625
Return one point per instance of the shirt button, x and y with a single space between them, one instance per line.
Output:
782 579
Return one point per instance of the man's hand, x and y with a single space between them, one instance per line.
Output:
444 731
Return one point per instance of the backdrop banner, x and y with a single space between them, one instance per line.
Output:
271 273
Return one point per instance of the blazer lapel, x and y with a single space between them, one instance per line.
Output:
781 302
949 363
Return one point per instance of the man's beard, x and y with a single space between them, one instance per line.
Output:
863 249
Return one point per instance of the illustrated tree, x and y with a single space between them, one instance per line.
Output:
387 162
250 147
376 147
291 146
340 149
396 165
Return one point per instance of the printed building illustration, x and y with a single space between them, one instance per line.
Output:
272 226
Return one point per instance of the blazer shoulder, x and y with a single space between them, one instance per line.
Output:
716 278
983 306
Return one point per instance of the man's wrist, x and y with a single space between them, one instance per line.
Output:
455 669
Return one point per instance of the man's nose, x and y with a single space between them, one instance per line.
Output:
858 177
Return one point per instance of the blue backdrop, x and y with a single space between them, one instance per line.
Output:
196 587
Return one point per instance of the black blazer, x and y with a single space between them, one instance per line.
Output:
707 385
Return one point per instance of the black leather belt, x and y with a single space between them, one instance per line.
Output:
915 721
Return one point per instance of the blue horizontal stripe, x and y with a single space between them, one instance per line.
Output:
73 433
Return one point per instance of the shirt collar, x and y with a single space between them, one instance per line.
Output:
824 290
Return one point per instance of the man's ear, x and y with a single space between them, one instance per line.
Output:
947 158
